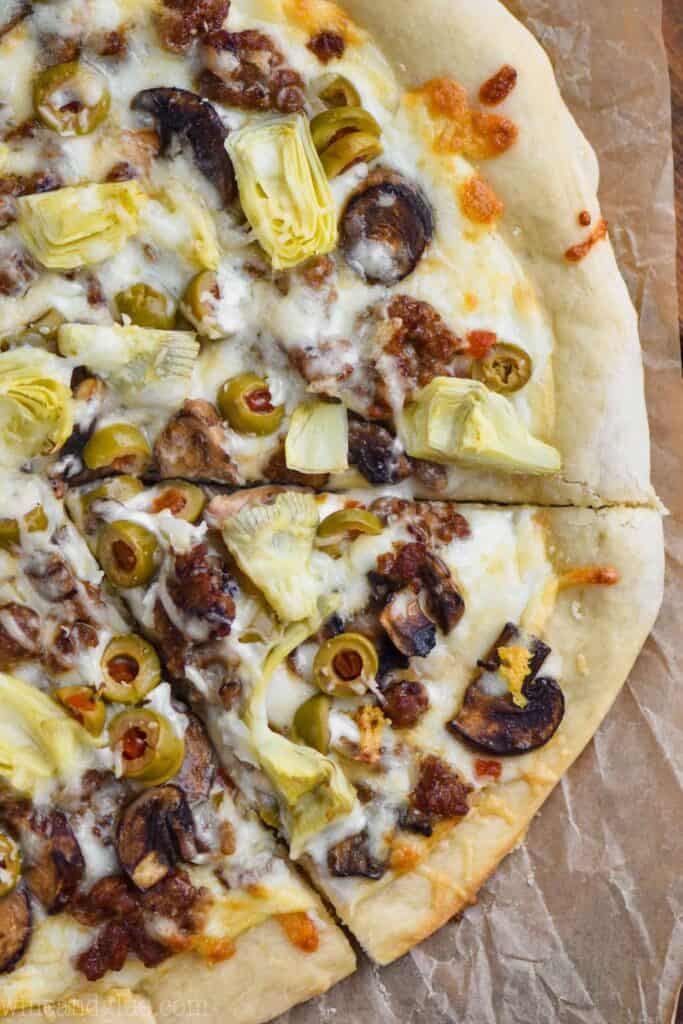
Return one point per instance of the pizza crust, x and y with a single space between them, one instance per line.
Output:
266 976
598 640
545 180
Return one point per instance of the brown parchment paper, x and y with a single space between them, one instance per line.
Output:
584 922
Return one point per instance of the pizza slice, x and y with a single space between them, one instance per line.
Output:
129 860
395 686
239 248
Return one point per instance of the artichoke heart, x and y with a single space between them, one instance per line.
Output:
461 420
36 408
273 545
39 741
143 363
318 438
177 219
284 190
82 224
313 788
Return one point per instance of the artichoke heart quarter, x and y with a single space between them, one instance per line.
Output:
36 407
456 420
284 190
273 545
82 224
144 364
317 440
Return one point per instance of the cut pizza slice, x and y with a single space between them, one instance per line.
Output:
312 270
396 686
128 857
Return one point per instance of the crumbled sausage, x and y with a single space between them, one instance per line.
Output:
180 22
51 576
405 702
327 46
191 445
17 273
419 342
202 586
246 69
19 634
440 792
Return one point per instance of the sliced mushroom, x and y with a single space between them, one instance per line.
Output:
351 858
55 864
376 453
194 120
15 928
198 769
155 831
444 601
385 227
191 446
490 719
407 625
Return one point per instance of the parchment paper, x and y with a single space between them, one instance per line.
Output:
584 922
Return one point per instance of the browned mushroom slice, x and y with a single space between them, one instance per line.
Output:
444 601
376 453
15 928
185 114
155 831
190 446
385 227
351 858
489 717
407 625
198 769
55 864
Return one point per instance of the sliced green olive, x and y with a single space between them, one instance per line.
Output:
71 99
130 669
350 520
119 444
326 126
505 369
84 705
10 533
43 331
246 403
181 499
146 746
312 722
356 147
337 91
345 665
146 307
10 864
126 553
198 303
118 488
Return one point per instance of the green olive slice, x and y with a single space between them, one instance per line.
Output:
181 499
506 368
337 91
10 533
326 126
198 303
246 403
41 332
345 665
126 553
146 307
130 669
312 722
350 520
118 488
145 745
10 864
119 445
70 98
84 705
356 147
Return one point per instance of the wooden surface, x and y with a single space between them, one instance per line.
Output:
673 33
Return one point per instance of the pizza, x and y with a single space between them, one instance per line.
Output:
326 535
